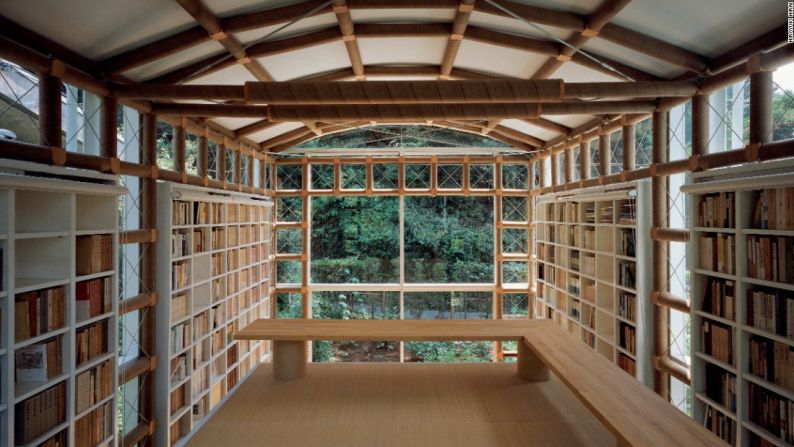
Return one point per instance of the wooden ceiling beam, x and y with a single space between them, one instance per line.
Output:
740 54
459 24
347 29
254 128
549 125
403 112
653 47
477 129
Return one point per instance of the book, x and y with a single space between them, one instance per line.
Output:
717 253
94 427
93 298
716 340
39 362
94 385
91 342
38 414
773 209
719 298
771 258
772 361
771 310
717 210
94 254
772 412
38 312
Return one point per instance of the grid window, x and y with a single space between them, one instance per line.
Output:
289 305
322 177
289 177
515 176
354 176
289 272
515 306
230 165
595 159
514 209
165 146
481 176
385 176
515 240
289 209
515 272
643 143
417 176
450 176
289 241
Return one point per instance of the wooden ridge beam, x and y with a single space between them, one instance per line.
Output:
459 24
347 29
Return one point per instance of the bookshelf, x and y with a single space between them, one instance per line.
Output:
743 302
594 272
213 278
58 305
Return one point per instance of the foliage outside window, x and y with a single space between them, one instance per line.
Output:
515 176
322 176
481 176
289 177
354 176
385 176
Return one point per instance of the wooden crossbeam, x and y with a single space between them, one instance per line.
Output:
349 37
453 43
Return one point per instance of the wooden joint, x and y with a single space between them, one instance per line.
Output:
155 172
652 169
244 60
58 155
755 65
456 37
360 78
220 35
57 69
340 9
694 163
152 363
752 152
443 77
349 38
589 33
563 58
623 176
466 7
183 177
152 427
115 165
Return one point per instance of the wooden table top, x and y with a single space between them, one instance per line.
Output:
385 330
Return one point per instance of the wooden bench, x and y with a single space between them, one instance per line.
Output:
290 338
633 413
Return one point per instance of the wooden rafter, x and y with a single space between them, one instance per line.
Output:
453 44
347 29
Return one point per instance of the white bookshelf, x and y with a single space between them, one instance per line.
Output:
580 254
745 184
43 210
227 284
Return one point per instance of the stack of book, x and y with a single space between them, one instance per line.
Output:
179 307
94 254
606 214
217 264
198 240
628 339
93 386
720 425
771 258
717 253
217 341
201 325
771 311
181 213
772 412
178 368
627 213
589 238
95 427
627 242
180 337
717 210
38 414
93 298
218 238
178 399
180 243
39 362
200 380
721 386
627 274
217 213
38 312
91 342
626 306
716 340
774 209
179 275
627 364
772 361
719 298
201 213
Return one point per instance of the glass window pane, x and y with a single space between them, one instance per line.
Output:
212 159
322 177
356 306
481 176
449 239
515 176
385 176
515 306
289 177
576 153
595 159
289 209
354 176
355 240
616 152
289 305
417 176
289 272
289 241
515 272
165 146
230 154
782 103
449 176
515 240
192 154
514 209
643 143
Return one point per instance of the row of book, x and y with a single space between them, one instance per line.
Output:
772 361
178 399
627 364
93 428
201 324
627 274
717 341
180 243
179 306
199 243
589 213
720 424
771 412
218 238
719 298
589 238
200 380
627 337
94 385
588 265
721 386
218 342
38 414
91 342
180 337
574 285
201 353
179 275
717 210
717 253
771 311
94 254
182 213
627 303
774 209
574 311
39 362
627 212
38 312
201 213
93 298
606 214
56 440
178 368
573 260
217 264
627 239
771 258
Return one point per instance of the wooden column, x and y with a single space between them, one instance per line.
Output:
179 149
604 154
661 383
238 164
251 163
554 177
568 158
306 218
700 124
629 147
50 111
108 133
220 162
204 157
761 107
584 158
542 172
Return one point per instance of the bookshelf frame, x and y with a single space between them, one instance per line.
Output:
202 302
742 181
37 244
563 233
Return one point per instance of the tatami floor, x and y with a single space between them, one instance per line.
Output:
402 405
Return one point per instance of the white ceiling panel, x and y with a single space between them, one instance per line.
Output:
502 61
510 25
274 131
99 29
402 50
407 15
633 58
178 60
236 123
307 61
529 129
225 8
233 75
708 27
573 72
569 120
577 6
302 26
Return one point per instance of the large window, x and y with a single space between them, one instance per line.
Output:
449 239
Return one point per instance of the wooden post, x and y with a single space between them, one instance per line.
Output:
204 157
700 125
50 111
542 172
659 206
629 148
289 359
108 133
568 158
238 163
179 149
604 154
584 159
554 177
761 107
220 163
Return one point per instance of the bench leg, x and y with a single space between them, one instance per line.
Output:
289 359
530 367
